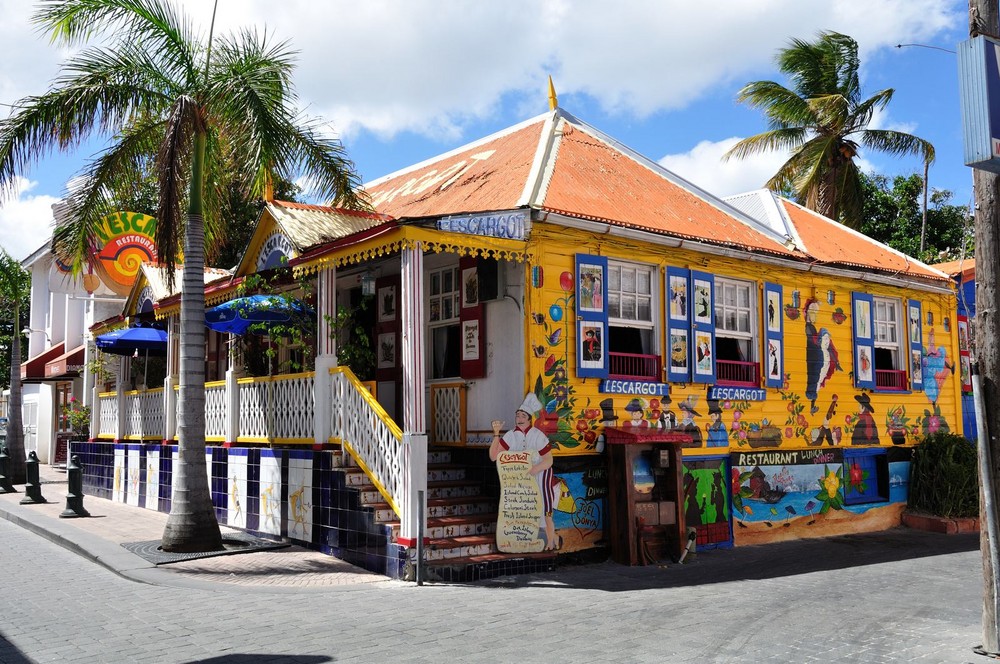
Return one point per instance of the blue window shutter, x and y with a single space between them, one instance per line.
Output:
678 311
591 305
914 330
702 327
774 336
862 321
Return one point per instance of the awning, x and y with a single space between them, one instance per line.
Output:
67 365
34 369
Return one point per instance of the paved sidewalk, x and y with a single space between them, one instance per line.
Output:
100 538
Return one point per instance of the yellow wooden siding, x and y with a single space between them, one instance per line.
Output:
786 414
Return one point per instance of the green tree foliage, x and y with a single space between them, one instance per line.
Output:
893 214
823 120
203 116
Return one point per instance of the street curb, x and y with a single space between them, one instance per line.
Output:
940 524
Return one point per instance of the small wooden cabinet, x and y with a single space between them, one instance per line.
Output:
646 493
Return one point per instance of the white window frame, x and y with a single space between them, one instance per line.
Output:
882 328
439 298
650 272
721 329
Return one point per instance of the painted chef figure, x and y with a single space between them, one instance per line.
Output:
525 437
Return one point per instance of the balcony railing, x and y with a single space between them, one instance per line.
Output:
731 372
890 379
634 366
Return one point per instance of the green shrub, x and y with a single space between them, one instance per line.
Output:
944 476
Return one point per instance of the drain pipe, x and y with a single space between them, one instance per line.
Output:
986 479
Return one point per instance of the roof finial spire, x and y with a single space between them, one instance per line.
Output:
553 102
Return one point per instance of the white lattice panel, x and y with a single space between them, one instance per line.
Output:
109 416
293 407
447 401
133 415
151 412
253 411
364 427
215 411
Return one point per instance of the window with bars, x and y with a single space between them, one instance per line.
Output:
735 332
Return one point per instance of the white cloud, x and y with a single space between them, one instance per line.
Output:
703 166
430 67
25 221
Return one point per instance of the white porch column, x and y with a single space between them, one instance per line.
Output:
232 397
326 353
95 411
414 383
124 364
169 383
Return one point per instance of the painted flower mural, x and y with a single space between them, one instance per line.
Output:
829 489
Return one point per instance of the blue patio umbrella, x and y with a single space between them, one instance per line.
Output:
130 340
259 312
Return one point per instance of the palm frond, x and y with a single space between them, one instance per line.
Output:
832 112
161 29
783 107
897 143
776 139
865 111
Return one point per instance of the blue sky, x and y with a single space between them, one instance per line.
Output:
401 81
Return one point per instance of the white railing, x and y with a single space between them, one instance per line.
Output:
366 431
109 414
215 410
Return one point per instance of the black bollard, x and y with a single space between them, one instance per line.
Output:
32 487
6 485
74 499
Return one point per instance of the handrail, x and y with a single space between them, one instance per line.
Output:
369 435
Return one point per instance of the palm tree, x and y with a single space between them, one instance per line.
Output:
822 121
210 112
15 283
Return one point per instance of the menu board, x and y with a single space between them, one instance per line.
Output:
519 516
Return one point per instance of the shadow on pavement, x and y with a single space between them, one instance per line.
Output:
764 561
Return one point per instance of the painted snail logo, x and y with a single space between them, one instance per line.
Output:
125 240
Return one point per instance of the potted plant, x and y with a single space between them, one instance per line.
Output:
78 418
944 488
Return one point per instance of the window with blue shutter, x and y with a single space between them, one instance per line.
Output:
914 327
864 340
774 341
678 285
702 327
591 316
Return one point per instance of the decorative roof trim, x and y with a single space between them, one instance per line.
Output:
408 237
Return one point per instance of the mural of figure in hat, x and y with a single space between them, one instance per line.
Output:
687 425
865 430
608 419
716 434
526 437
637 410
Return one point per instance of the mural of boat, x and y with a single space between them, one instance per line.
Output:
761 489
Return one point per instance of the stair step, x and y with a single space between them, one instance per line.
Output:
437 507
453 526
355 477
478 559
460 547
368 494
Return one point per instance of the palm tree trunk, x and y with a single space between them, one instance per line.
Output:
15 422
192 524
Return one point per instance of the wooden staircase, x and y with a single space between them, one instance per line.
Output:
461 523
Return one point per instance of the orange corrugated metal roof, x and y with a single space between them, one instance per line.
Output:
484 176
833 243
596 178
556 163
966 268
